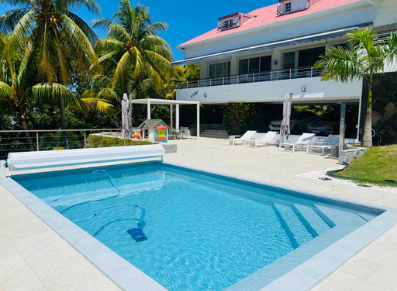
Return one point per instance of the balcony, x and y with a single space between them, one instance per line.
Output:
275 75
304 83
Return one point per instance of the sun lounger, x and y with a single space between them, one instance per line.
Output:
246 136
330 141
265 140
303 140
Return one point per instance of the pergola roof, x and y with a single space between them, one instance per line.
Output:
163 102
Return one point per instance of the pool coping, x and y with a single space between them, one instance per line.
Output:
302 278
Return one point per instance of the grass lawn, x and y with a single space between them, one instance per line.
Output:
376 167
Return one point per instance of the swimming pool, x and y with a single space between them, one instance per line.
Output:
204 231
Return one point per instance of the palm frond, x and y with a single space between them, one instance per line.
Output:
101 105
52 93
340 64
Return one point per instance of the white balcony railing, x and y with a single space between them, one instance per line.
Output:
275 75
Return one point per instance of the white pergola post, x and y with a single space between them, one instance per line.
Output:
148 109
171 117
198 120
177 116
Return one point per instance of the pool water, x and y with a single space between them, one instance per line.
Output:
204 232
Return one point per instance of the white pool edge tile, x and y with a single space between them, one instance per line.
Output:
121 272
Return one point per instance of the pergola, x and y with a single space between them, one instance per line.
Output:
171 103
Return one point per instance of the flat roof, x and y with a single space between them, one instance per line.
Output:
163 101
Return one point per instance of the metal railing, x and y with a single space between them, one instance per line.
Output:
38 140
274 75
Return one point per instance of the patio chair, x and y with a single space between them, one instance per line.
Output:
265 140
184 132
327 144
246 136
303 140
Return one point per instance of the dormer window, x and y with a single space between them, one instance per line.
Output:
233 21
290 6
287 8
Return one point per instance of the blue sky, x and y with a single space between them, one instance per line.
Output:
186 19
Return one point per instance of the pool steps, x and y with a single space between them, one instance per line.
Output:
303 223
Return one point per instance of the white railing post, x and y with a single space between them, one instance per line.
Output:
290 73
311 72
271 75
210 82
223 81
187 84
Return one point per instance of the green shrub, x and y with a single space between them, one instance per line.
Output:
95 141
240 117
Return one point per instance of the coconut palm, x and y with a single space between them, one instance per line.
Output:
57 42
364 57
132 50
15 90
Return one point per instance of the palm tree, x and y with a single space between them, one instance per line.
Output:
15 90
132 51
364 57
58 41
180 73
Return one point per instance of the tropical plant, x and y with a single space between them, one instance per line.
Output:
15 89
179 74
133 57
364 57
56 42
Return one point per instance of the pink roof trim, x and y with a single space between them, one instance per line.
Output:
268 15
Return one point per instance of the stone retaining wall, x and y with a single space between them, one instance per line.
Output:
348 156
384 110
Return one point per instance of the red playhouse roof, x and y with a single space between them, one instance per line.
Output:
161 127
268 15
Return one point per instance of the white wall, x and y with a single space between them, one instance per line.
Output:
274 91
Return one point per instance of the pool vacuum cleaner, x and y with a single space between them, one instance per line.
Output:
136 233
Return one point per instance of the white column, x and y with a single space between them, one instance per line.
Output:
148 109
171 117
177 116
198 120
342 126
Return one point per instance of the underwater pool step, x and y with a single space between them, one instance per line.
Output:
294 225
312 217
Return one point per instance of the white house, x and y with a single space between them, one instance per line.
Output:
262 55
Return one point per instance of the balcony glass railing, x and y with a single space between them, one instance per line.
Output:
275 75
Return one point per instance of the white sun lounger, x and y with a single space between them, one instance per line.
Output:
331 140
303 140
246 136
265 140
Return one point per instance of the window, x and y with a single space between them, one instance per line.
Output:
266 63
308 57
231 23
220 70
255 65
243 67
226 25
288 7
289 60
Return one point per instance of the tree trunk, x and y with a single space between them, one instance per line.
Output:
367 136
63 122
28 138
